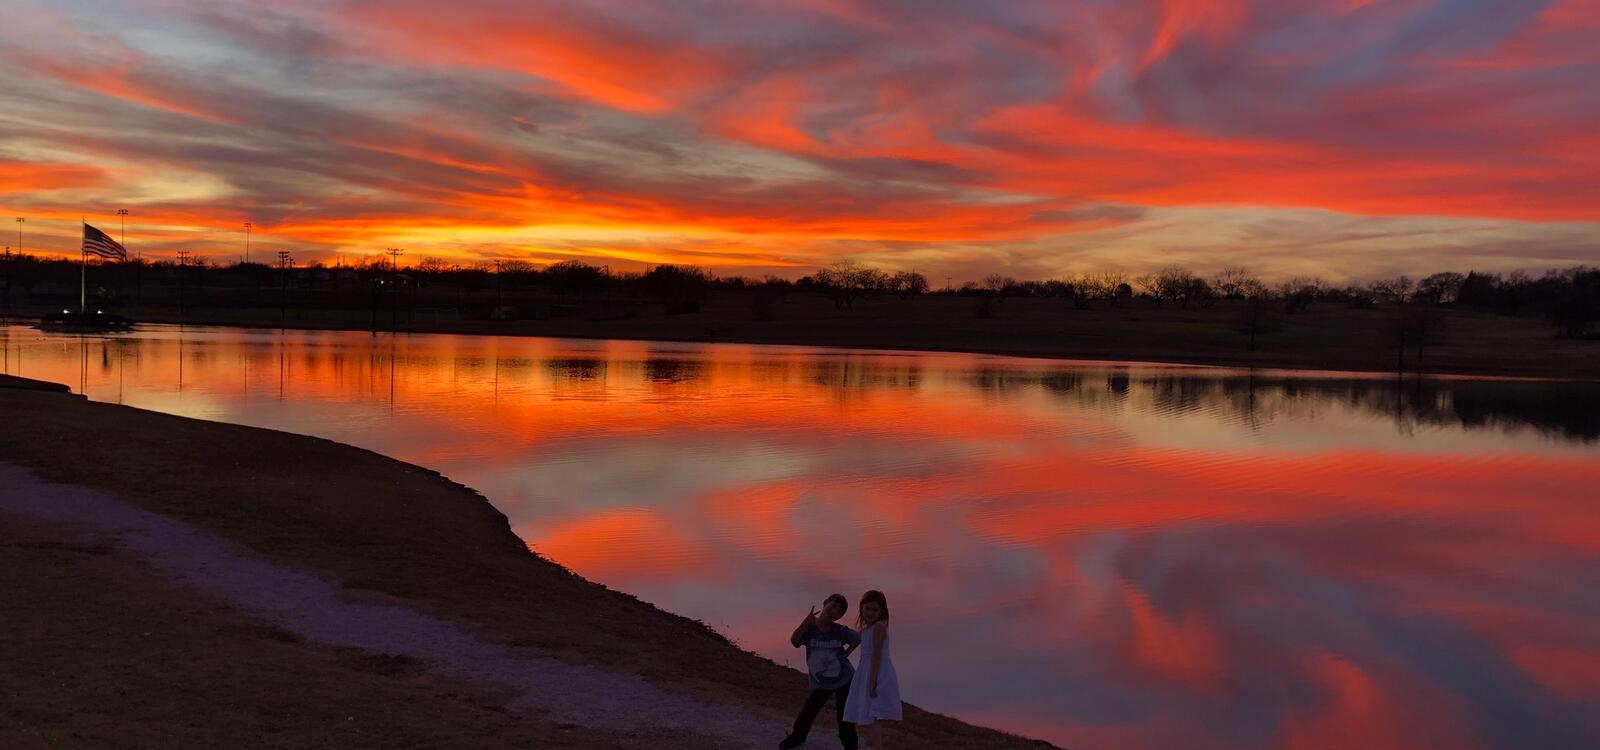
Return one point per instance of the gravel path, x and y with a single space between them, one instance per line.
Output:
313 606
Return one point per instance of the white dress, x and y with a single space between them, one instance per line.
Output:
861 708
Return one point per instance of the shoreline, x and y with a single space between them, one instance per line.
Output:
440 548
1551 366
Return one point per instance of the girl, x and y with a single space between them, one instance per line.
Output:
875 692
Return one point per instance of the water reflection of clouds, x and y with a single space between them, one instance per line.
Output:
1114 557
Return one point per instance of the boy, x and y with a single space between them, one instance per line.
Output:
828 670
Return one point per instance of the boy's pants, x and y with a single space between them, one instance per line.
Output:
802 725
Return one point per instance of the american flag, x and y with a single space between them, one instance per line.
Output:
95 242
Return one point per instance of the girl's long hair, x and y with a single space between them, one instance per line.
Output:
876 597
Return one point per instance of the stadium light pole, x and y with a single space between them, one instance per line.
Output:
183 260
284 261
247 226
19 234
394 289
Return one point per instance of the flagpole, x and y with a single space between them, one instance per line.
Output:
83 274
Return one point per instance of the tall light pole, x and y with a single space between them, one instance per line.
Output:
183 260
247 226
284 262
19 234
123 213
394 289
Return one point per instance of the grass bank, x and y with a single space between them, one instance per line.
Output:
385 529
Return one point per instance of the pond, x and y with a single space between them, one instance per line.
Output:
1101 554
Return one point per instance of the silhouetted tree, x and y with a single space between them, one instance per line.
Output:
681 287
1575 305
1235 282
1255 315
573 276
906 283
1414 326
997 285
1394 291
847 280
1478 290
431 265
1440 288
777 286
1182 286
1298 293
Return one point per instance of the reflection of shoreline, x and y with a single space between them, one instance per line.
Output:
1360 352
586 369
376 524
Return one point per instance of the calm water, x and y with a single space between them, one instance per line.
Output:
1107 555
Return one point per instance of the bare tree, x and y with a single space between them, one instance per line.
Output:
1255 317
1393 291
1148 284
1234 282
846 280
1440 288
433 265
908 282
1299 292
1180 285
1413 326
1108 284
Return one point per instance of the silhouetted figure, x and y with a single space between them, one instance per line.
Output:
875 696
828 671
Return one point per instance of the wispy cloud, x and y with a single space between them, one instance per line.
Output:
784 133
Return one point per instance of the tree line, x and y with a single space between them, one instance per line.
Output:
1569 298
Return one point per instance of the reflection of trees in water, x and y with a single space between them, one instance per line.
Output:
1003 379
1570 410
664 370
1566 410
852 373
575 369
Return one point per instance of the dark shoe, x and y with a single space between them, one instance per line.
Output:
790 743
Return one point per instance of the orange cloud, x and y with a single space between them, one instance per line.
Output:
21 176
789 132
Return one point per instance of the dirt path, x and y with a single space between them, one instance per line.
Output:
324 614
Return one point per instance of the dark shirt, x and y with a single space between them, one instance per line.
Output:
825 661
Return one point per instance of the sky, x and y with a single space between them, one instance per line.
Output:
1351 139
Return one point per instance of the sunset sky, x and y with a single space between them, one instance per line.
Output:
1346 138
